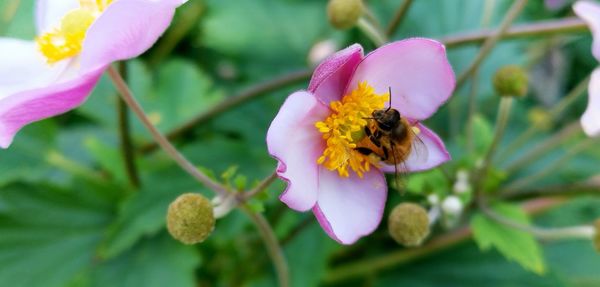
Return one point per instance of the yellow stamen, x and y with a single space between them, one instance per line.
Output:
344 128
66 40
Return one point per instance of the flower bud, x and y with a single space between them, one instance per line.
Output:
511 81
597 235
408 224
452 205
190 218
344 14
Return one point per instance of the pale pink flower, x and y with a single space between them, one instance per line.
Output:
345 191
76 42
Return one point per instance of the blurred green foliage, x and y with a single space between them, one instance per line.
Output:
68 216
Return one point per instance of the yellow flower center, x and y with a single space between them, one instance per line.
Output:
344 128
66 40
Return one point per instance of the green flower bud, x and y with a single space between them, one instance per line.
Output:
597 235
408 224
344 14
190 218
511 81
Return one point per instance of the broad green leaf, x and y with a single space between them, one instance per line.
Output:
514 244
432 181
144 212
155 262
48 234
308 255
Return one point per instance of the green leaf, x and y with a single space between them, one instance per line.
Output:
143 213
514 244
48 234
156 262
483 134
432 181
307 268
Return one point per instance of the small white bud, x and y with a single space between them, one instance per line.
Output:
452 205
433 199
320 51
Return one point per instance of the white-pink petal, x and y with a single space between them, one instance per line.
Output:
428 152
296 143
23 67
126 29
349 208
20 109
48 13
418 72
330 78
590 121
590 13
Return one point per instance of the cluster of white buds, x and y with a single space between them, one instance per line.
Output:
461 185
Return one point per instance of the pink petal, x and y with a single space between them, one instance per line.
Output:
296 143
426 155
126 29
330 78
20 109
590 121
590 13
48 13
349 208
416 69
24 68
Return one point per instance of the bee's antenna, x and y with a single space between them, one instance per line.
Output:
390 93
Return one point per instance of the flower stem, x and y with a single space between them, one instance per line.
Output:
574 232
523 182
376 36
398 17
370 266
547 145
261 186
472 110
163 142
542 28
501 122
554 113
127 150
491 42
272 244
231 102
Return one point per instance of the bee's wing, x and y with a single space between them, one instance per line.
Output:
419 151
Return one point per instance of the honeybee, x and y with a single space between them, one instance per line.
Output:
390 137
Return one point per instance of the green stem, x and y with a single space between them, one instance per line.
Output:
574 232
231 102
523 182
501 122
162 141
371 266
547 145
378 38
127 150
571 189
261 186
187 21
491 42
398 17
554 113
272 244
472 110
542 28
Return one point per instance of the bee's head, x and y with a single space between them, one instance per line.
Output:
387 119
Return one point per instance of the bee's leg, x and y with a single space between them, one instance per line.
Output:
386 155
364 150
367 131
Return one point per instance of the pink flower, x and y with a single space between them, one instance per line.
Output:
590 121
77 41
314 135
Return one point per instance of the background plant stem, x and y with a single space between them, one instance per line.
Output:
162 141
398 17
272 245
127 150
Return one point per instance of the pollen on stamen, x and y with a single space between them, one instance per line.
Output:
342 129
